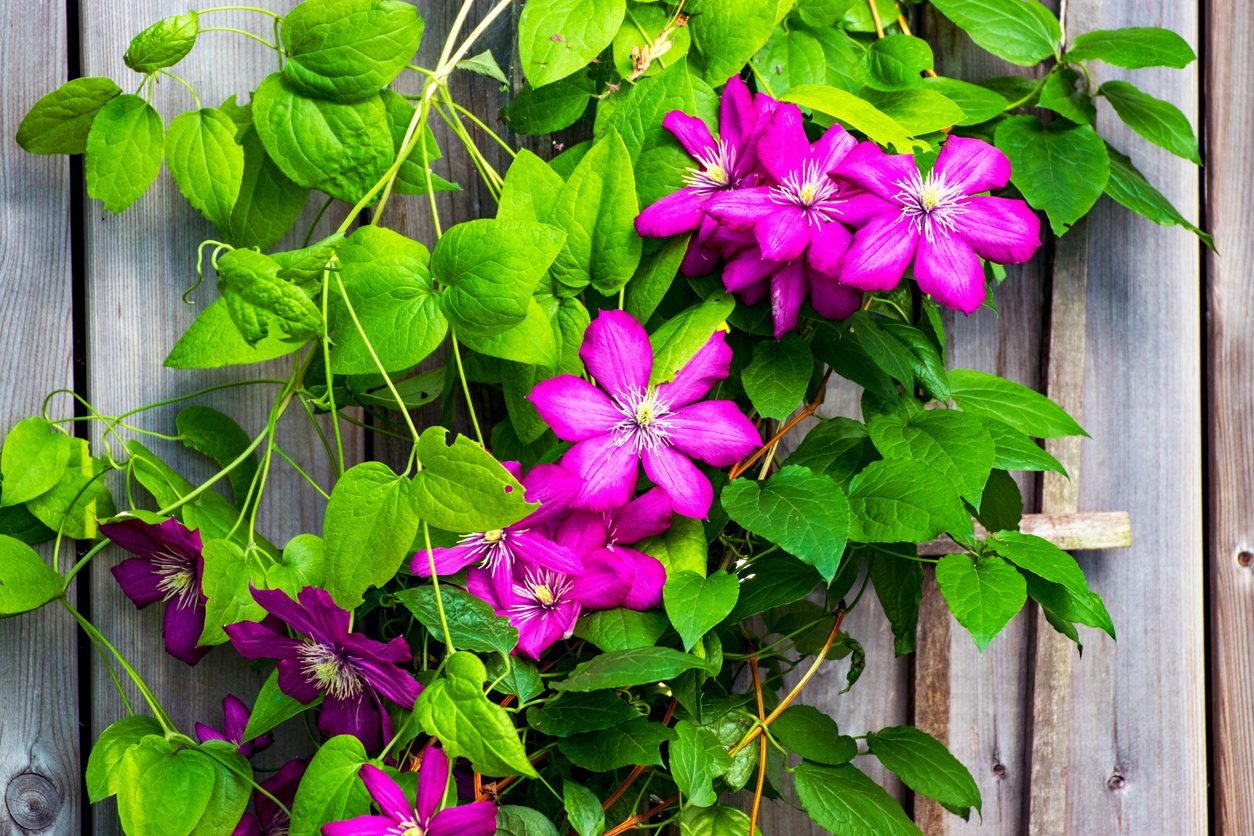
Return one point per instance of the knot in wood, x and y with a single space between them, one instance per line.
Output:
999 771
33 801
1116 782
1245 558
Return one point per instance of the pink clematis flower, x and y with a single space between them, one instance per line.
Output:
938 221
541 604
629 421
425 817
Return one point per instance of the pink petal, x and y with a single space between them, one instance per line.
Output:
574 408
691 132
788 291
783 148
361 826
831 148
879 254
754 293
479 584
828 242
1001 230
533 547
716 432
699 259
745 207
689 490
858 207
392 802
553 487
710 365
646 585
608 469
536 635
605 582
878 173
747 268
477 819
448 561
645 516
783 234
948 269
674 214
833 299
617 353
582 531
972 165
737 115
432 781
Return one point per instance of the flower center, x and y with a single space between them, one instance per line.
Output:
811 190
328 670
412 830
644 422
496 535
178 578
540 591
715 173
929 202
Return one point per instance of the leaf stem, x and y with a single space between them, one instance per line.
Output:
805 412
435 584
243 32
461 374
183 82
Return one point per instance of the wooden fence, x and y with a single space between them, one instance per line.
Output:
1161 734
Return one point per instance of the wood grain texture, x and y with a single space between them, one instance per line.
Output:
1069 532
1138 758
38 662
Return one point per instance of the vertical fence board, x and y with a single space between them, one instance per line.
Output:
1229 201
39 762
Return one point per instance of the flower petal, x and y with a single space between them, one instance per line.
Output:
391 800
139 581
479 584
389 680
329 620
293 682
361 826
605 581
948 269
536 635
783 148
432 782
258 641
716 432
972 165
574 408
858 207
737 117
358 717
536 549
754 293
448 560
148 539
783 234
878 173
833 299
182 628
608 469
477 819
746 269
1001 230
691 132
279 604
674 214
879 253
828 242
206 732
234 717
645 516
582 531
617 353
831 148
689 490
647 583
742 207
788 291
711 364
553 487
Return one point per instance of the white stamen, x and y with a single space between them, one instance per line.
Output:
718 166
492 548
929 202
540 591
645 424
178 578
812 190
328 670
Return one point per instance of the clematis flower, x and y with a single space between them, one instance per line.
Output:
498 551
425 818
268 818
938 222
167 567
541 604
629 421
349 670
235 721
753 277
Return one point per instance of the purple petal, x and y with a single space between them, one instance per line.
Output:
831 148
710 365
392 802
606 580
699 259
716 432
259 641
828 242
689 490
691 132
293 682
972 165
646 585
149 540
788 291
329 620
747 269
205 732
645 516
948 269
582 531
183 626
674 214
833 299
279 604
783 234
878 173
448 561
282 785
858 207
234 717
742 207
536 635
390 681
783 149
138 581
553 487
432 781
617 353
879 254
754 293
479 584
608 469
736 115
1001 230
361 826
248 826
574 408
477 819
357 716
533 547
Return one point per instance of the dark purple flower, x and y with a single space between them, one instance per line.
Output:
167 567
627 421
424 818
938 222
235 721
541 604
349 670
268 818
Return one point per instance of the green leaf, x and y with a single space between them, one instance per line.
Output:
792 57
623 668
583 808
1040 557
79 497
269 202
773 580
1128 187
346 50
1001 505
207 163
225 580
719 820
558 37
805 512
213 341
1159 121
232 774
517 676
841 799
530 190
1133 48
369 526
512 820
455 709
302 564
898 583
27 582
163 791
918 110
955 444
636 742
637 111
979 104
1024 33
472 622
124 150
896 62
727 33
659 263
902 500
1014 450
695 604
572 714
415 173
927 364
641 35
462 489
531 341
1064 94
330 790
163 44
989 396
218 437
59 121
261 302
682 547
597 208
776 378
489 270
838 447
341 149
1063 606
697 757
20 524
541 110
813 735
621 628
924 765
1061 168
982 593
387 283
852 111
272 708
110 749
679 339
484 63
34 457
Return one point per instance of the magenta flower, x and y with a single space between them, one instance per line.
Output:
235 721
425 818
498 551
937 221
268 818
350 671
541 604
753 277
167 567
629 421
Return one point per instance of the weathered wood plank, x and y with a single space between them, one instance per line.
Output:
1230 304
39 757
1069 532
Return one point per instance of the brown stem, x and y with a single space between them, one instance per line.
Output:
806 412
631 821
637 771
875 17
757 691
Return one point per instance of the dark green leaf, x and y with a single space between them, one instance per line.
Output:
1061 168
621 629
1064 606
841 799
994 397
697 757
659 262
268 203
982 593
583 808
838 447
695 604
901 500
636 742
1023 33
1040 557
776 378
217 436
813 735
957 445
1015 450
1001 505
624 668
1159 121
898 582
572 714
925 766
1063 93
59 122
772 581
1128 187
1134 48
124 150
471 621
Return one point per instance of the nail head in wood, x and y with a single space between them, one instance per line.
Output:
1245 558
33 801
